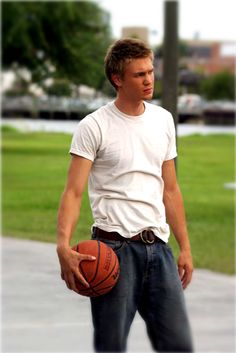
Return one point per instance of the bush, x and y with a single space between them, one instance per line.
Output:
219 86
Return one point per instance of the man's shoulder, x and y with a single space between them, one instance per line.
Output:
98 116
101 112
158 115
157 109
95 118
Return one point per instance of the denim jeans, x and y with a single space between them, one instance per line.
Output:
149 283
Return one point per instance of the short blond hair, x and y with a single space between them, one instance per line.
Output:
121 52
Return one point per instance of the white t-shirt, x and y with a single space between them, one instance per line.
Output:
125 182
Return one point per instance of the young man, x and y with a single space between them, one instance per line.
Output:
127 149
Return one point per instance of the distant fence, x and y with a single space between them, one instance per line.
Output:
219 113
54 108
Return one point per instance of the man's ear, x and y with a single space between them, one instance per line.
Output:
116 79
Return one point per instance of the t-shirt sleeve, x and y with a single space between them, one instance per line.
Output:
171 150
86 139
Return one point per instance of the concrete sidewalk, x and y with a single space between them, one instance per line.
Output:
39 314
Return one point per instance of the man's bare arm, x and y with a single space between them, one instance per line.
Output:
68 214
176 218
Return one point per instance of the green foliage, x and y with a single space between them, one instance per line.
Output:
20 87
157 89
34 174
60 88
56 39
219 86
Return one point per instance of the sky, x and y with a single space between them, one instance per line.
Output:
204 19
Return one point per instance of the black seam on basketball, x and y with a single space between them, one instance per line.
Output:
94 291
98 259
85 289
85 292
103 288
108 274
81 291
90 289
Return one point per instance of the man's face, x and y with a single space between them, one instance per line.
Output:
138 80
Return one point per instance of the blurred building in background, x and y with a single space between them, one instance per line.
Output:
203 57
209 57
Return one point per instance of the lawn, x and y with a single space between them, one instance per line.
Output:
34 173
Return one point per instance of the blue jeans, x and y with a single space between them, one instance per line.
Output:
149 283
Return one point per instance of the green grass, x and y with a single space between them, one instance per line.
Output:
206 163
34 174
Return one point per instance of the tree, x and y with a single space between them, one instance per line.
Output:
219 86
59 88
63 40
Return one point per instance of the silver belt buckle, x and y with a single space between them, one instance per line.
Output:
144 237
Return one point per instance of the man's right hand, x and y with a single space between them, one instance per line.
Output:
70 270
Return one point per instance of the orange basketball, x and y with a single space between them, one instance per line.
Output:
102 273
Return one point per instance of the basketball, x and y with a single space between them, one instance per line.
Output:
102 273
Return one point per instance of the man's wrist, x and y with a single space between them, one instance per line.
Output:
185 249
62 245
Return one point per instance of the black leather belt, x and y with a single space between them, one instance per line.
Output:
146 236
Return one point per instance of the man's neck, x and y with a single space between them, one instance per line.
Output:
130 108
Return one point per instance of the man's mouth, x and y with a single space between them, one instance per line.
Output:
148 90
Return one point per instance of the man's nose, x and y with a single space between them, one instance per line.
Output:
147 79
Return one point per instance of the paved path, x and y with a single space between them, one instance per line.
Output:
39 314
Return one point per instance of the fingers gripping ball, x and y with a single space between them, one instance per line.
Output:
101 274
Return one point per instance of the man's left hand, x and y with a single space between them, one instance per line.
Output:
185 268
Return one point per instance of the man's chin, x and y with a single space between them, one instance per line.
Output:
148 97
